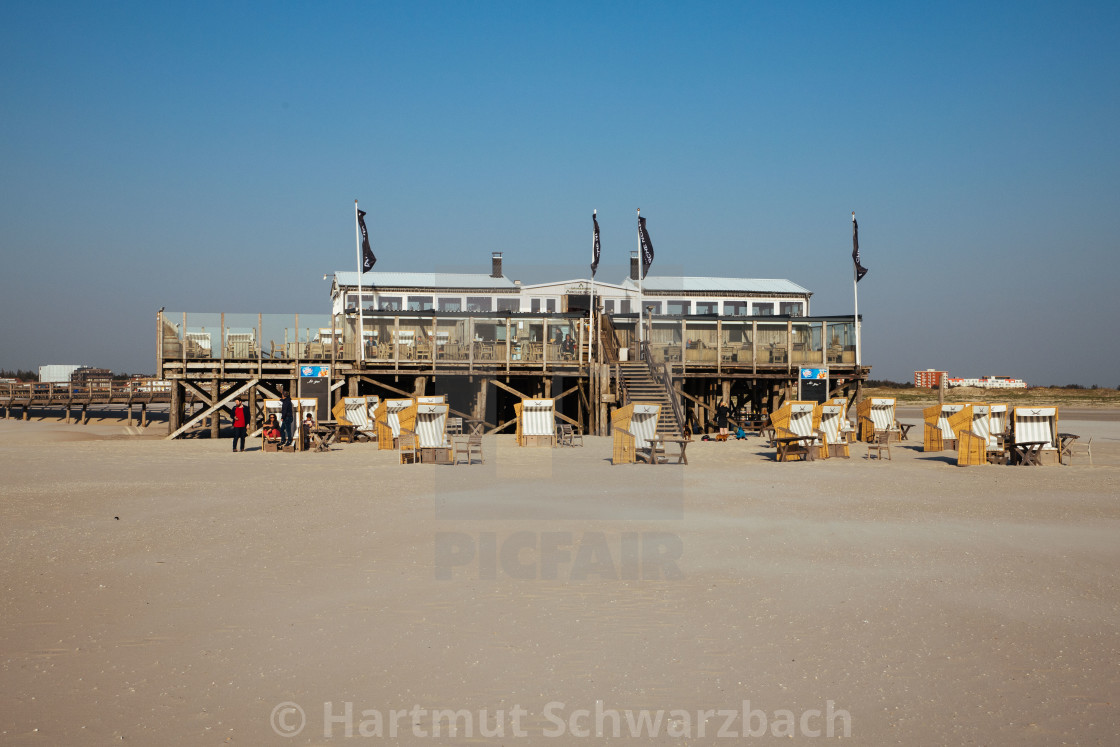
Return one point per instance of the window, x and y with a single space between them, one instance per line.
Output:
735 308
550 305
451 304
763 309
608 306
352 301
791 308
509 304
624 306
535 305
707 307
652 307
479 303
419 303
390 303
679 307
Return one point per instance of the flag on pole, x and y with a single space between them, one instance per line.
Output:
646 244
368 260
595 245
860 269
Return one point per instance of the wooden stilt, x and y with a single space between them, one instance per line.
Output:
175 413
216 418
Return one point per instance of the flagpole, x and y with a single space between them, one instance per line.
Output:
641 267
855 295
591 313
361 318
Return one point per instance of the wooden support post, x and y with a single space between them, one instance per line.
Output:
175 414
719 347
754 348
143 414
216 417
252 424
604 408
419 386
130 414
479 410
85 414
67 413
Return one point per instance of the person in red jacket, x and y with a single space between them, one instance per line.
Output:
240 423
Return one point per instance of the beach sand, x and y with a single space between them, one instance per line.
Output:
171 593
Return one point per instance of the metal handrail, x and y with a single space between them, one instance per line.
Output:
663 375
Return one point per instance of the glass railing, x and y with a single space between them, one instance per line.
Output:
419 339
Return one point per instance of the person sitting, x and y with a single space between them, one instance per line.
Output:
568 347
272 429
306 429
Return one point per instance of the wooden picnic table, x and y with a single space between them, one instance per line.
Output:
1065 445
790 446
905 428
654 453
682 444
1027 453
321 436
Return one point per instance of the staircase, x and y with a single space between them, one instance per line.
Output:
641 387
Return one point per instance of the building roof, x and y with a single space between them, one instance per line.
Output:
668 284
423 280
570 282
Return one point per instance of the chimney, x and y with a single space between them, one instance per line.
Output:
635 266
495 264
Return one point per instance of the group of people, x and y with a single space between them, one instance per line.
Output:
567 344
722 422
275 430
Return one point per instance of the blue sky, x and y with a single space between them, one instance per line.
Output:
206 156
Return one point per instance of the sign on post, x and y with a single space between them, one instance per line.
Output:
812 385
315 381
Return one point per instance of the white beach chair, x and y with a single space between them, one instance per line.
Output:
389 421
536 422
634 428
942 422
1036 425
876 415
974 440
795 419
431 433
830 430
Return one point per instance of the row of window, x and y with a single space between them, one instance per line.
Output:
486 304
730 308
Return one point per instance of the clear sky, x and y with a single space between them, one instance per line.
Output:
206 156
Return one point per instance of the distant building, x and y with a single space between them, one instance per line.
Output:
92 378
56 374
929 378
990 382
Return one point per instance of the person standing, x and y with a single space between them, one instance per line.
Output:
240 423
721 420
287 417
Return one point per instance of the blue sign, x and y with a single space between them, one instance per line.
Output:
314 372
814 373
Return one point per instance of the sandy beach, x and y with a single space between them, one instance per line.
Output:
176 593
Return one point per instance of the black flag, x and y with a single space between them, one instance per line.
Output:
860 269
368 260
647 246
595 245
